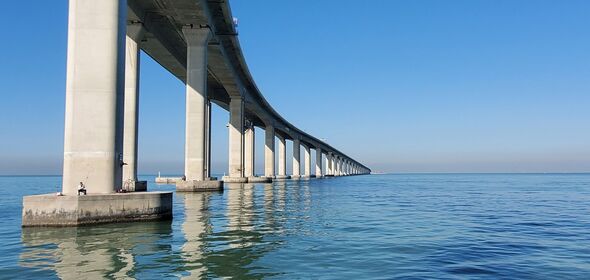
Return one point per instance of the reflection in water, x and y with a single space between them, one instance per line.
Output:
195 227
219 235
92 252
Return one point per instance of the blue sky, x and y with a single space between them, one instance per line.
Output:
402 86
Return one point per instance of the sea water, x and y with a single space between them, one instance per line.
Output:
406 226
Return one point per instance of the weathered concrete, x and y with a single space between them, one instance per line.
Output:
93 140
135 186
269 152
318 163
307 161
282 177
236 141
196 101
199 186
296 159
229 179
167 180
282 158
249 149
257 179
73 210
131 116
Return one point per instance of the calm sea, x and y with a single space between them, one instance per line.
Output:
451 226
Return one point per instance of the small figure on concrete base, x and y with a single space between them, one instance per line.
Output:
81 188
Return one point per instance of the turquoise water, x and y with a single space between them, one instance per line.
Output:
451 226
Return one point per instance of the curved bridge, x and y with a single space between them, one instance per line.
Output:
195 40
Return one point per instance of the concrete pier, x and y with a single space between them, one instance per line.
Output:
197 113
249 150
269 152
307 161
131 116
74 210
296 159
94 127
318 163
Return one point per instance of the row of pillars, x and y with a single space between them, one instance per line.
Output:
101 121
335 165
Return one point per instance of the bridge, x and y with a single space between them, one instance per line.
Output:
196 41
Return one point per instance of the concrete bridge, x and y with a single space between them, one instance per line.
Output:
196 41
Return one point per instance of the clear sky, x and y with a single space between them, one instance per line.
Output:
402 86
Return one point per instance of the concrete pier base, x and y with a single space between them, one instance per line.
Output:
228 179
199 186
253 179
137 186
72 210
295 177
282 177
167 180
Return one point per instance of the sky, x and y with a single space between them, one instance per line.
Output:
401 86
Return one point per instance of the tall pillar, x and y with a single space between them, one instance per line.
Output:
236 140
269 152
329 164
249 149
338 166
296 159
196 101
307 160
282 159
318 163
131 111
208 139
95 81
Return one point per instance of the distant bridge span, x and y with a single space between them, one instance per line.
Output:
195 40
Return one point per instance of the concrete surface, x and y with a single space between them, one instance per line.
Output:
199 186
74 210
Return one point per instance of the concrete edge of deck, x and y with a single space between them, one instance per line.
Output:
51 210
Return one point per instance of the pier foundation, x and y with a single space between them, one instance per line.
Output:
73 210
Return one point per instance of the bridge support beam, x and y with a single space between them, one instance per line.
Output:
132 62
296 159
249 149
197 114
236 142
282 159
269 152
318 163
94 127
328 164
307 161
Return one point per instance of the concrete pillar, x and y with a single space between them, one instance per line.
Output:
282 158
307 160
318 163
95 81
296 159
196 101
329 164
236 138
338 166
208 139
269 152
249 149
131 111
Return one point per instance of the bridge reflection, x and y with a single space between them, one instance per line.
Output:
214 235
